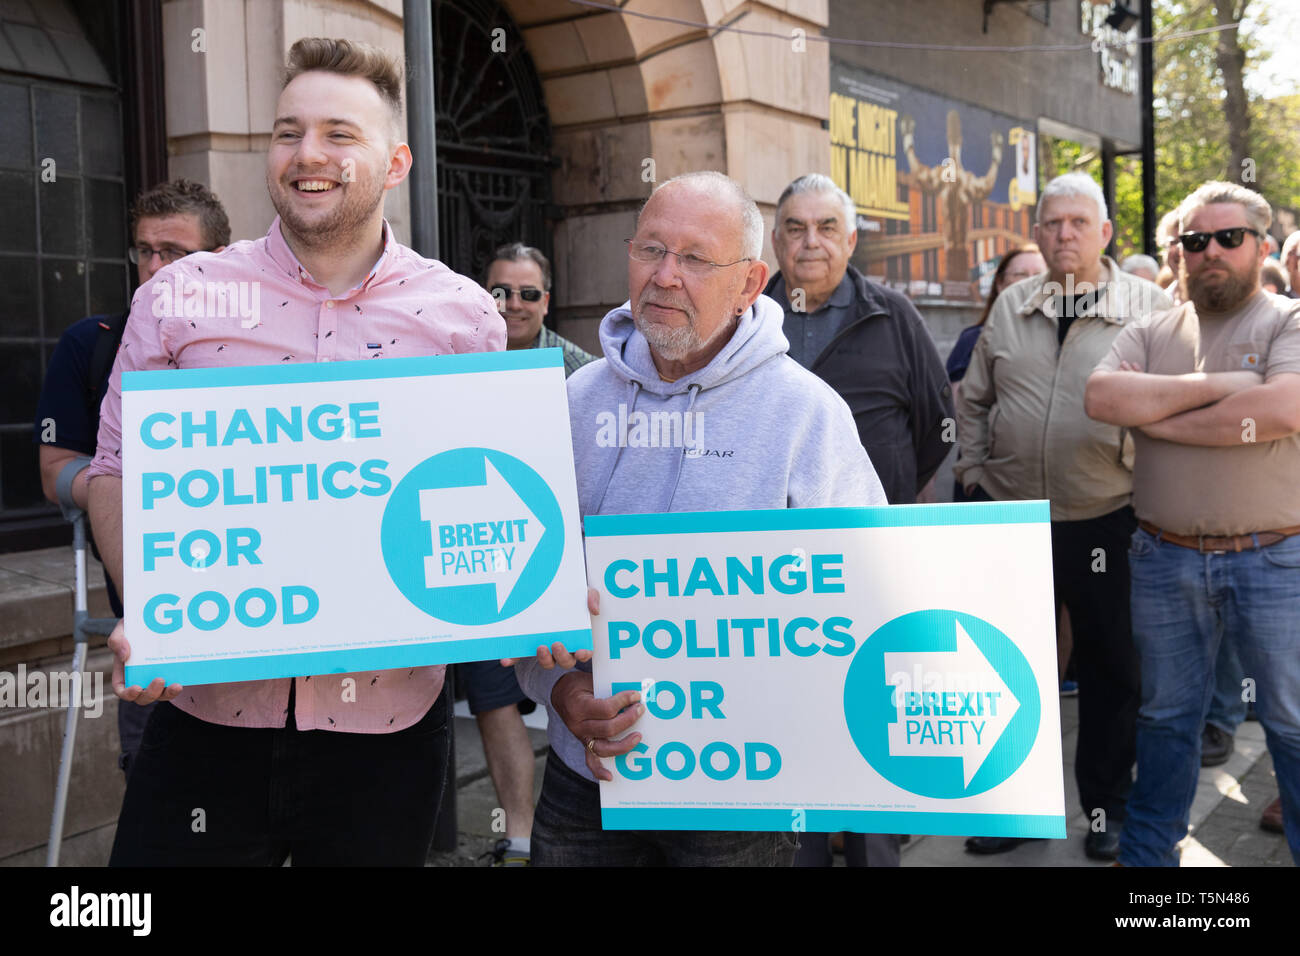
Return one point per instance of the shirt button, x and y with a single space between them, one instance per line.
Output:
329 303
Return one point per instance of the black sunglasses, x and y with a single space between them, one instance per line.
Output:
1227 238
527 293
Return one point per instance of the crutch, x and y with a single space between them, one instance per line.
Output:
82 627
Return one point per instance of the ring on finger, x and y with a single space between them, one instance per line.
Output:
591 744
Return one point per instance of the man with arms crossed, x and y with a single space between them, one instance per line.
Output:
1211 389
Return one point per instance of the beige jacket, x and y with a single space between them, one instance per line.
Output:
1020 418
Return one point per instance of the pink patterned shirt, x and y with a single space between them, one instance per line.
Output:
407 305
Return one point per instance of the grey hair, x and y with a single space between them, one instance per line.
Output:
720 184
817 183
1139 263
518 252
1167 231
1291 242
1259 215
1073 184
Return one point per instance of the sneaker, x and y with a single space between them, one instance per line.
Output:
1216 746
1069 688
505 853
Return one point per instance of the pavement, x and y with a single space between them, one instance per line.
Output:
1224 820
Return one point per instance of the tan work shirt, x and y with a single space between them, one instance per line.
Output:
1195 489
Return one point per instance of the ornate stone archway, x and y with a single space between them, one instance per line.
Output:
633 101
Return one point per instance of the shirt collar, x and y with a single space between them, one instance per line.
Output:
283 256
1107 306
841 298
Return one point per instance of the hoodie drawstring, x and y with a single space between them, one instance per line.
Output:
681 459
618 452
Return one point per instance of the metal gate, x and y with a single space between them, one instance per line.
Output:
494 138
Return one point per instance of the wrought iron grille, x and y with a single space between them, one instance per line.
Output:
494 139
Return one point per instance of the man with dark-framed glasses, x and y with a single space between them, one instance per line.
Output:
168 222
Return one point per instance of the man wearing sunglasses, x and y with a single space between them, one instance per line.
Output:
1211 390
169 221
519 278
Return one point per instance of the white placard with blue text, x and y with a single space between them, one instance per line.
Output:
878 670
329 518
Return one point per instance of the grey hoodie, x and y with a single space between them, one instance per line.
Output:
750 430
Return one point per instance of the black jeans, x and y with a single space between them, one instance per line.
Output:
203 794
1090 570
567 832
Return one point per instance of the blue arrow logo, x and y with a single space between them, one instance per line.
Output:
942 704
472 536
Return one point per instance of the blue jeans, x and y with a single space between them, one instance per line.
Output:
1184 603
1227 709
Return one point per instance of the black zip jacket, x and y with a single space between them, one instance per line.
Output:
884 365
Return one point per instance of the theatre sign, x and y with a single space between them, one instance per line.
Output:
1116 51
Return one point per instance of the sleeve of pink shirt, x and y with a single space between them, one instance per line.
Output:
143 348
487 333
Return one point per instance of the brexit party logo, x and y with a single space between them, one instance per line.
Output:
942 704
472 536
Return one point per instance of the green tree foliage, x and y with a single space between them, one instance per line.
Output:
1193 125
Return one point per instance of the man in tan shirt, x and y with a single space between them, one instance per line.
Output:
1024 435
1212 389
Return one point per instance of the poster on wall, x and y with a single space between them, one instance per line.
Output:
942 188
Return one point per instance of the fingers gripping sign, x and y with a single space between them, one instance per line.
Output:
596 721
158 689
557 655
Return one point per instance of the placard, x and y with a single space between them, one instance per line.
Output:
879 670
334 517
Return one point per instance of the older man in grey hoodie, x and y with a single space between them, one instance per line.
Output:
696 340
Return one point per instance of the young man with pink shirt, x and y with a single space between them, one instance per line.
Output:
288 766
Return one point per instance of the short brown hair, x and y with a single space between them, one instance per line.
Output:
184 197
518 252
350 58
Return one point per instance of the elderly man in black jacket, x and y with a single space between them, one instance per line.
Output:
866 341
870 344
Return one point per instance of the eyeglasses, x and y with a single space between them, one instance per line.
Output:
690 263
137 254
1227 238
504 292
